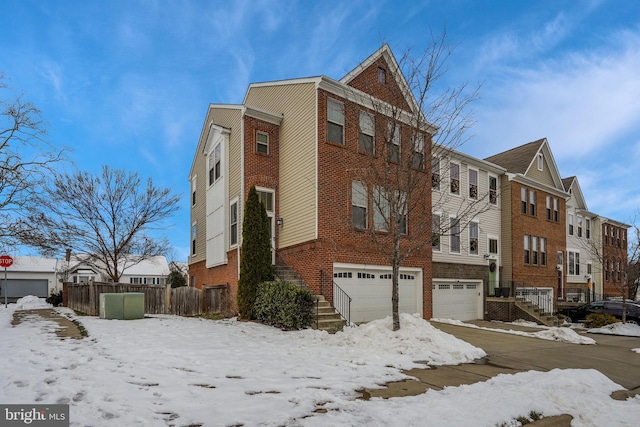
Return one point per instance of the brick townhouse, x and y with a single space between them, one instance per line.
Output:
301 143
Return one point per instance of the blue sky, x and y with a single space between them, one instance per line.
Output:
127 83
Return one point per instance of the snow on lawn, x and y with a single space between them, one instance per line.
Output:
627 329
566 335
169 370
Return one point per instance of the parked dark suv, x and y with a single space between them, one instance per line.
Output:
613 308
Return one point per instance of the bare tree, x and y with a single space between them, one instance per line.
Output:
404 127
106 218
26 160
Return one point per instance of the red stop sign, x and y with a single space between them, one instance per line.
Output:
6 261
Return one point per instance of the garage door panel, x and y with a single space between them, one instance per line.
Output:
370 291
18 288
458 301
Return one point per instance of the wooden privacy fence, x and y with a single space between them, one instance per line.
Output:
158 299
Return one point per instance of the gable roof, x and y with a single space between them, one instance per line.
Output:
34 264
520 160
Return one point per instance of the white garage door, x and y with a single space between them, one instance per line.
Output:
457 300
370 291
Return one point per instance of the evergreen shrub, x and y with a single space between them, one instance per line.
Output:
285 305
598 320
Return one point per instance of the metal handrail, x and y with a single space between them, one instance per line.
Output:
536 296
342 302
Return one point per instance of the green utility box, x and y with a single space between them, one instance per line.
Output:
122 306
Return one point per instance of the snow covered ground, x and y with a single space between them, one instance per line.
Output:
168 370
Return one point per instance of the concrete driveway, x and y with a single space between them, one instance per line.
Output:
509 353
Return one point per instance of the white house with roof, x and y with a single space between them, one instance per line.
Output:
152 271
30 275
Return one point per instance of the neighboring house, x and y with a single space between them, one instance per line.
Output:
29 276
583 260
533 221
614 256
297 142
466 214
79 269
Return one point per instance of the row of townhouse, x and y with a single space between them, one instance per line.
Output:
504 222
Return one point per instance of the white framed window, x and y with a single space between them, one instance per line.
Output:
435 173
573 262
233 223
215 165
359 204
549 212
587 228
454 178
367 133
435 231
262 142
543 251
534 250
401 207
523 200
532 202
454 235
570 219
394 141
380 209
589 268
335 121
473 238
418 151
556 211
493 245
193 190
540 162
493 189
579 226
527 249
266 197
194 234
473 184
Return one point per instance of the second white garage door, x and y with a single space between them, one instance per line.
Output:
457 300
370 290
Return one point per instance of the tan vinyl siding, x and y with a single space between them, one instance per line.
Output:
542 176
506 236
297 203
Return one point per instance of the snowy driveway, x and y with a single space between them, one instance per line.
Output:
168 370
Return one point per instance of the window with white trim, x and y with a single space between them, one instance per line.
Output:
262 142
570 216
193 190
473 184
367 133
493 190
454 241
454 178
579 226
527 249
215 165
543 251
435 173
556 211
549 212
587 228
534 250
532 202
233 224
540 162
394 141
380 209
193 238
435 232
573 262
418 151
493 245
473 238
335 121
359 204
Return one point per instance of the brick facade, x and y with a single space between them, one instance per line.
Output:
614 258
538 225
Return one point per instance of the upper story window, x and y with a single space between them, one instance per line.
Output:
473 183
532 202
435 173
193 190
435 232
493 190
394 142
606 235
335 121
556 211
573 262
382 75
570 217
543 251
262 142
473 238
418 151
493 246
380 209
587 228
528 201
454 243
549 211
540 162
359 205
523 200
367 133
454 176
579 226
527 249
233 224
215 165
534 250
194 233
